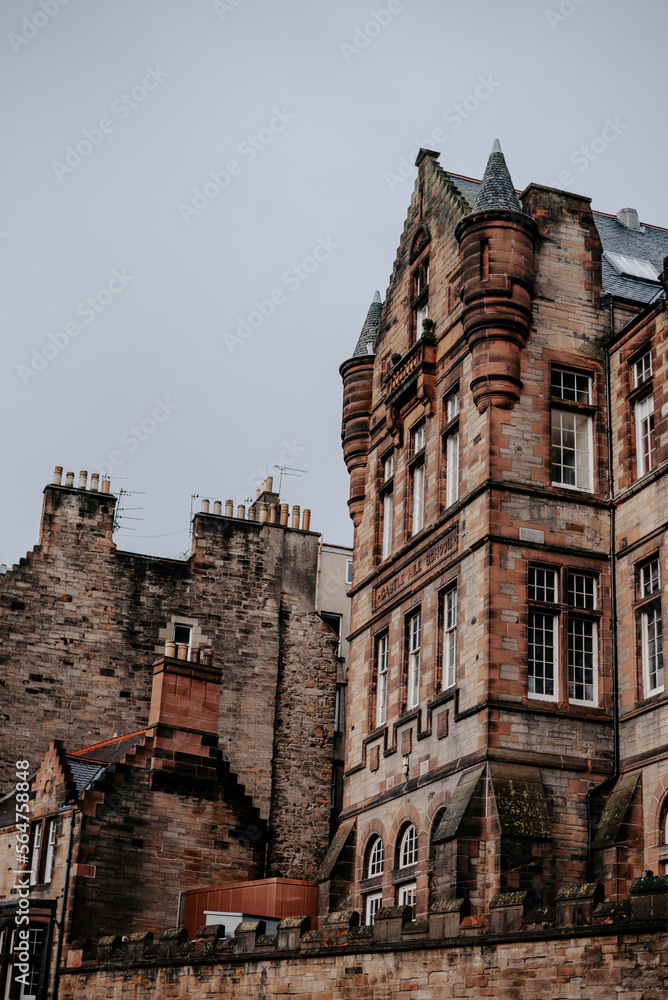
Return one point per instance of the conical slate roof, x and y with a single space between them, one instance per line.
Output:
368 335
496 190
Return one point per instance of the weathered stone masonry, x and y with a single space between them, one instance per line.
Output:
82 622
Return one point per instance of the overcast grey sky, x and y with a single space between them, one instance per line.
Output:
169 164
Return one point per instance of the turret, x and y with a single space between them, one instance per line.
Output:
357 375
497 273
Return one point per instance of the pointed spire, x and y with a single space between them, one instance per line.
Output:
365 343
496 190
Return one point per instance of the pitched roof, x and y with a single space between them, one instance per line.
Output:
109 751
366 339
496 190
648 243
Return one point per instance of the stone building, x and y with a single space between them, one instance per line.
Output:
503 829
81 624
505 428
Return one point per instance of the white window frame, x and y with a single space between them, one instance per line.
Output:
413 672
647 614
579 469
36 846
382 662
452 468
51 841
572 619
407 894
581 591
349 571
644 420
531 678
449 669
372 904
452 406
417 476
376 858
388 519
408 848
650 581
642 369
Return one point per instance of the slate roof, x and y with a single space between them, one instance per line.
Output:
84 772
366 340
649 243
496 189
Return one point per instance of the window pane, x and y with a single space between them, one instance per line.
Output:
418 498
449 637
571 449
542 659
645 435
571 386
373 904
381 693
581 660
652 650
581 591
452 406
642 369
388 517
452 468
650 578
408 852
542 584
376 858
413 692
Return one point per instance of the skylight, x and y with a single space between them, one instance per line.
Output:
632 267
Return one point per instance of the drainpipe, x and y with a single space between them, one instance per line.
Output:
61 922
609 782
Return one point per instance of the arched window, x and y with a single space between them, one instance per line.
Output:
408 848
375 858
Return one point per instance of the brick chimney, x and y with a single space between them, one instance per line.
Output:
183 718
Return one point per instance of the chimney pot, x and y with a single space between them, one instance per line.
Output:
263 513
217 507
69 479
295 516
257 492
182 650
106 485
306 519
208 657
272 513
241 511
170 648
194 654
270 484
229 508
205 507
83 479
95 481
285 514
58 475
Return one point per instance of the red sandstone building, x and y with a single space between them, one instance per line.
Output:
504 819
505 428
